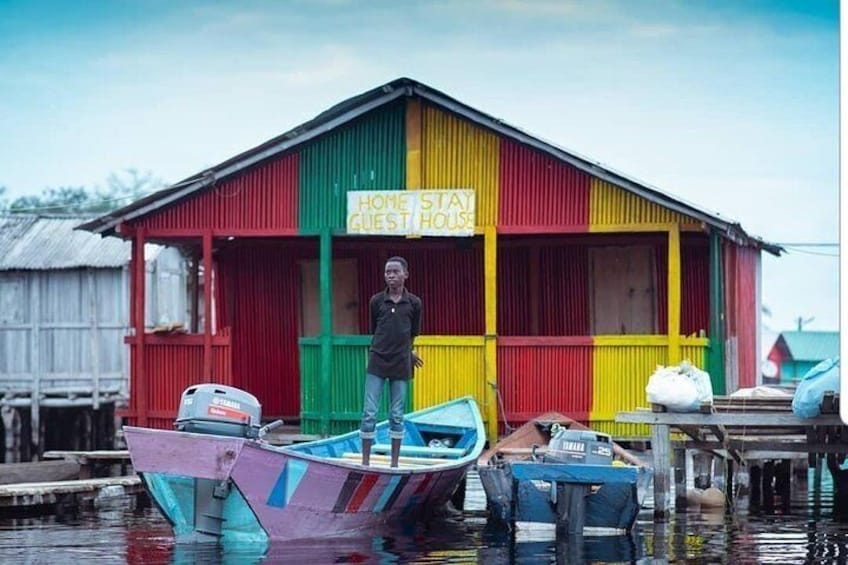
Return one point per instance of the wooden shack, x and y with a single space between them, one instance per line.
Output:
572 284
64 303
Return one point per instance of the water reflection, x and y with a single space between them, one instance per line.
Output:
805 531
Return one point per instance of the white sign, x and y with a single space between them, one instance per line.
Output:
448 212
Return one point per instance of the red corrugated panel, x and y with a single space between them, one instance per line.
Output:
543 288
695 294
539 193
746 315
263 301
662 287
514 292
564 290
447 274
542 374
263 199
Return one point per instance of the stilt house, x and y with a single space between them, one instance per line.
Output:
568 286
64 300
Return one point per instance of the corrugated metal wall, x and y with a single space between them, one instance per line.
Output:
622 367
695 280
453 367
514 291
369 154
443 273
172 364
541 374
611 206
260 288
344 397
539 193
742 312
564 290
459 154
262 199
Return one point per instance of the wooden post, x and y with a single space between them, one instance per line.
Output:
768 485
490 256
325 262
674 294
660 444
207 305
35 355
756 478
12 427
138 300
571 507
94 336
680 479
716 351
194 292
703 470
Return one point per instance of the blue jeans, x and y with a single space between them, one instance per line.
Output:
373 391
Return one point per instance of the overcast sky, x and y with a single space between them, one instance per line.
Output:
730 105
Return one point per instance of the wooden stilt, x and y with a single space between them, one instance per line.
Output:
680 480
660 446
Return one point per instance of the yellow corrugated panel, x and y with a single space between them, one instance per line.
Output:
610 205
453 367
622 366
459 154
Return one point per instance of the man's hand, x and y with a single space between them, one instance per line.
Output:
417 361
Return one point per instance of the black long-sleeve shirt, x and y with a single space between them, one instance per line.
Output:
394 326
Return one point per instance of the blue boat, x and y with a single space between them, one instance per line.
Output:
554 470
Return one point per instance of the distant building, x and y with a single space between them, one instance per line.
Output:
64 315
794 353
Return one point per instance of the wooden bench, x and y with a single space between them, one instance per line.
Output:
403 462
420 450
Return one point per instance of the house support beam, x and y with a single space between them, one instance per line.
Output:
325 283
490 270
207 306
138 291
674 287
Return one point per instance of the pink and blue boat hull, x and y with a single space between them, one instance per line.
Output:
218 488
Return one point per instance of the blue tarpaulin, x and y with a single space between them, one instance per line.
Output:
819 380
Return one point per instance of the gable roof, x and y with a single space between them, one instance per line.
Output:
356 106
32 242
811 346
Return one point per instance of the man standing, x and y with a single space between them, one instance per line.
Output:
395 322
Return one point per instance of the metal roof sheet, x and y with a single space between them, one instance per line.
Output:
356 106
30 242
811 346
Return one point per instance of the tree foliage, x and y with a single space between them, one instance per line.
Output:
120 190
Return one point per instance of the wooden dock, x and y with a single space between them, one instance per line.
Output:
743 432
28 495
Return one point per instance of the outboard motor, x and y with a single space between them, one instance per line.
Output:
579 446
219 410
224 411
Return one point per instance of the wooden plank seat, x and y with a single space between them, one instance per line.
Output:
420 450
405 462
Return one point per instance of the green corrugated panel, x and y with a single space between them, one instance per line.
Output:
369 154
715 357
350 356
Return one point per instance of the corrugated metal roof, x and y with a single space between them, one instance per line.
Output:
811 346
30 242
356 106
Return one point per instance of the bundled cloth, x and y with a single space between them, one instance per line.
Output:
680 388
810 392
